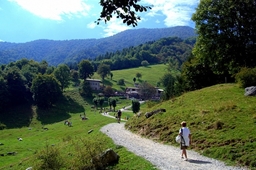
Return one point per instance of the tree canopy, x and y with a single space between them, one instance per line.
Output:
226 35
85 69
125 9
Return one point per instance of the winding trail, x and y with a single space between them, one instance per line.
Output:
164 157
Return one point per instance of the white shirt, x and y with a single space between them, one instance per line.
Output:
185 134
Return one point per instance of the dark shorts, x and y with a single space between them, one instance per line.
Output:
183 147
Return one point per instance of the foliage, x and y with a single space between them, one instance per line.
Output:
246 77
126 10
138 75
146 90
46 90
4 99
198 75
85 69
226 36
108 91
135 106
62 74
134 79
73 51
173 51
215 115
16 86
103 70
51 158
120 82
112 101
169 87
86 89
144 63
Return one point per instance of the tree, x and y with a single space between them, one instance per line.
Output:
111 75
144 63
108 91
85 69
75 77
62 74
86 89
95 101
134 79
4 99
120 82
226 35
46 90
16 84
135 106
125 9
146 90
138 75
112 102
103 70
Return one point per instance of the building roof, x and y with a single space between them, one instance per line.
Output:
97 80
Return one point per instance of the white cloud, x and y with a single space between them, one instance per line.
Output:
91 25
55 9
177 12
114 26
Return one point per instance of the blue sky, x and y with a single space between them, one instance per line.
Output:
28 20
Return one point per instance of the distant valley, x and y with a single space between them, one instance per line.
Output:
56 52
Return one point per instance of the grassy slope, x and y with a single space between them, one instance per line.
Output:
69 140
151 74
221 119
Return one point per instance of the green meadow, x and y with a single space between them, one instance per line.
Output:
222 121
151 74
46 135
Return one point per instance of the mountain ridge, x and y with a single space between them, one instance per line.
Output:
64 51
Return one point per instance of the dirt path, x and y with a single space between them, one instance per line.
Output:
164 157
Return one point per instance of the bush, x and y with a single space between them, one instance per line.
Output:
2 126
246 77
50 158
120 82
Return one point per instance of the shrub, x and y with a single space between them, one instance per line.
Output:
50 158
246 77
120 82
2 126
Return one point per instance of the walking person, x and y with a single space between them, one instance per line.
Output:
119 114
185 134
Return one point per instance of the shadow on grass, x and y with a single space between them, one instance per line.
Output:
60 111
198 161
17 117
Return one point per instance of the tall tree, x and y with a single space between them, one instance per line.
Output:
103 70
4 97
85 69
46 90
62 74
226 35
16 84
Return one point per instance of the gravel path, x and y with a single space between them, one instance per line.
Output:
164 157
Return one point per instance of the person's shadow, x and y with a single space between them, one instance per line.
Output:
198 161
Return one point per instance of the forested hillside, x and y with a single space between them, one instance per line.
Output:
56 52
172 50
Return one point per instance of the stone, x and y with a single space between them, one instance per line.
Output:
149 114
250 91
109 157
